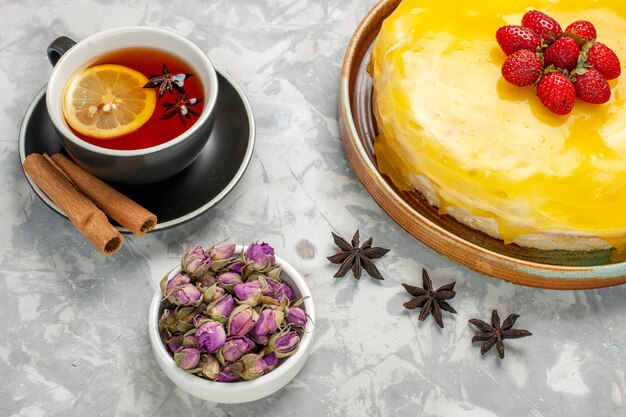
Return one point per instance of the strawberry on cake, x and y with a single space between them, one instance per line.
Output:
504 120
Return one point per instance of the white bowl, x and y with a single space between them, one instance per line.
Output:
244 391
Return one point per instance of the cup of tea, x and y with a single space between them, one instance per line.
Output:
133 105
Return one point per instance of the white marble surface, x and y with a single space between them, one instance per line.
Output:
74 339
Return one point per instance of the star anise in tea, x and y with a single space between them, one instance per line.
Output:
495 333
356 258
167 81
182 106
431 301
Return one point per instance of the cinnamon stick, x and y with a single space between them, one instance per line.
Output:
81 211
115 204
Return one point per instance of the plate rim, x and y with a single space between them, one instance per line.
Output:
491 263
170 223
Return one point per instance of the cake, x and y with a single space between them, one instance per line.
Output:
487 152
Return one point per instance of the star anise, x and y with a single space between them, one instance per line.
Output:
356 258
495 333
167 81
430 301
182 107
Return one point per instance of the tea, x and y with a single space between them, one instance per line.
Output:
179 97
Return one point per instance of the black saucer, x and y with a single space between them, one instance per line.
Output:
189 193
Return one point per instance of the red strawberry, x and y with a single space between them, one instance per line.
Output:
513 38
603 59
592 87
563 53
542 24
583 29
522 68
557 92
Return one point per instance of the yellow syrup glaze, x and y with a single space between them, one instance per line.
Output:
444 111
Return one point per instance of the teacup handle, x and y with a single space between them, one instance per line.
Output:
58 47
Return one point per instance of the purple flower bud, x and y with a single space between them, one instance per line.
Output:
242 319
190 341
234 348
221 309
174 342
204 273
254 366
296 317
211 336
230 372
187 358
210 367
275 272
187 295
178 281
285 343
260 255
237 267
265 327
186 314
271 362
212 293
248 292
229 279
221 252
271 287
195 261
207 280
285 294
219 293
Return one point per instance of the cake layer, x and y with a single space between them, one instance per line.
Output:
489 148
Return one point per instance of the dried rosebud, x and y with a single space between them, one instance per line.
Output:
271 361
242 319
271 287
220 310
190 341
187 358
268 323
284 343
211 336
186 314
296 317
195 261
254 366
237 267
174 284
275 272
167 321
229 279
284 295
259 256
248 292
209 367
174 342
221 252
188 295
230 372
234 348
207 280
185 317
212 293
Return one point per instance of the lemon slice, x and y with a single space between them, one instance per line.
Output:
107 101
